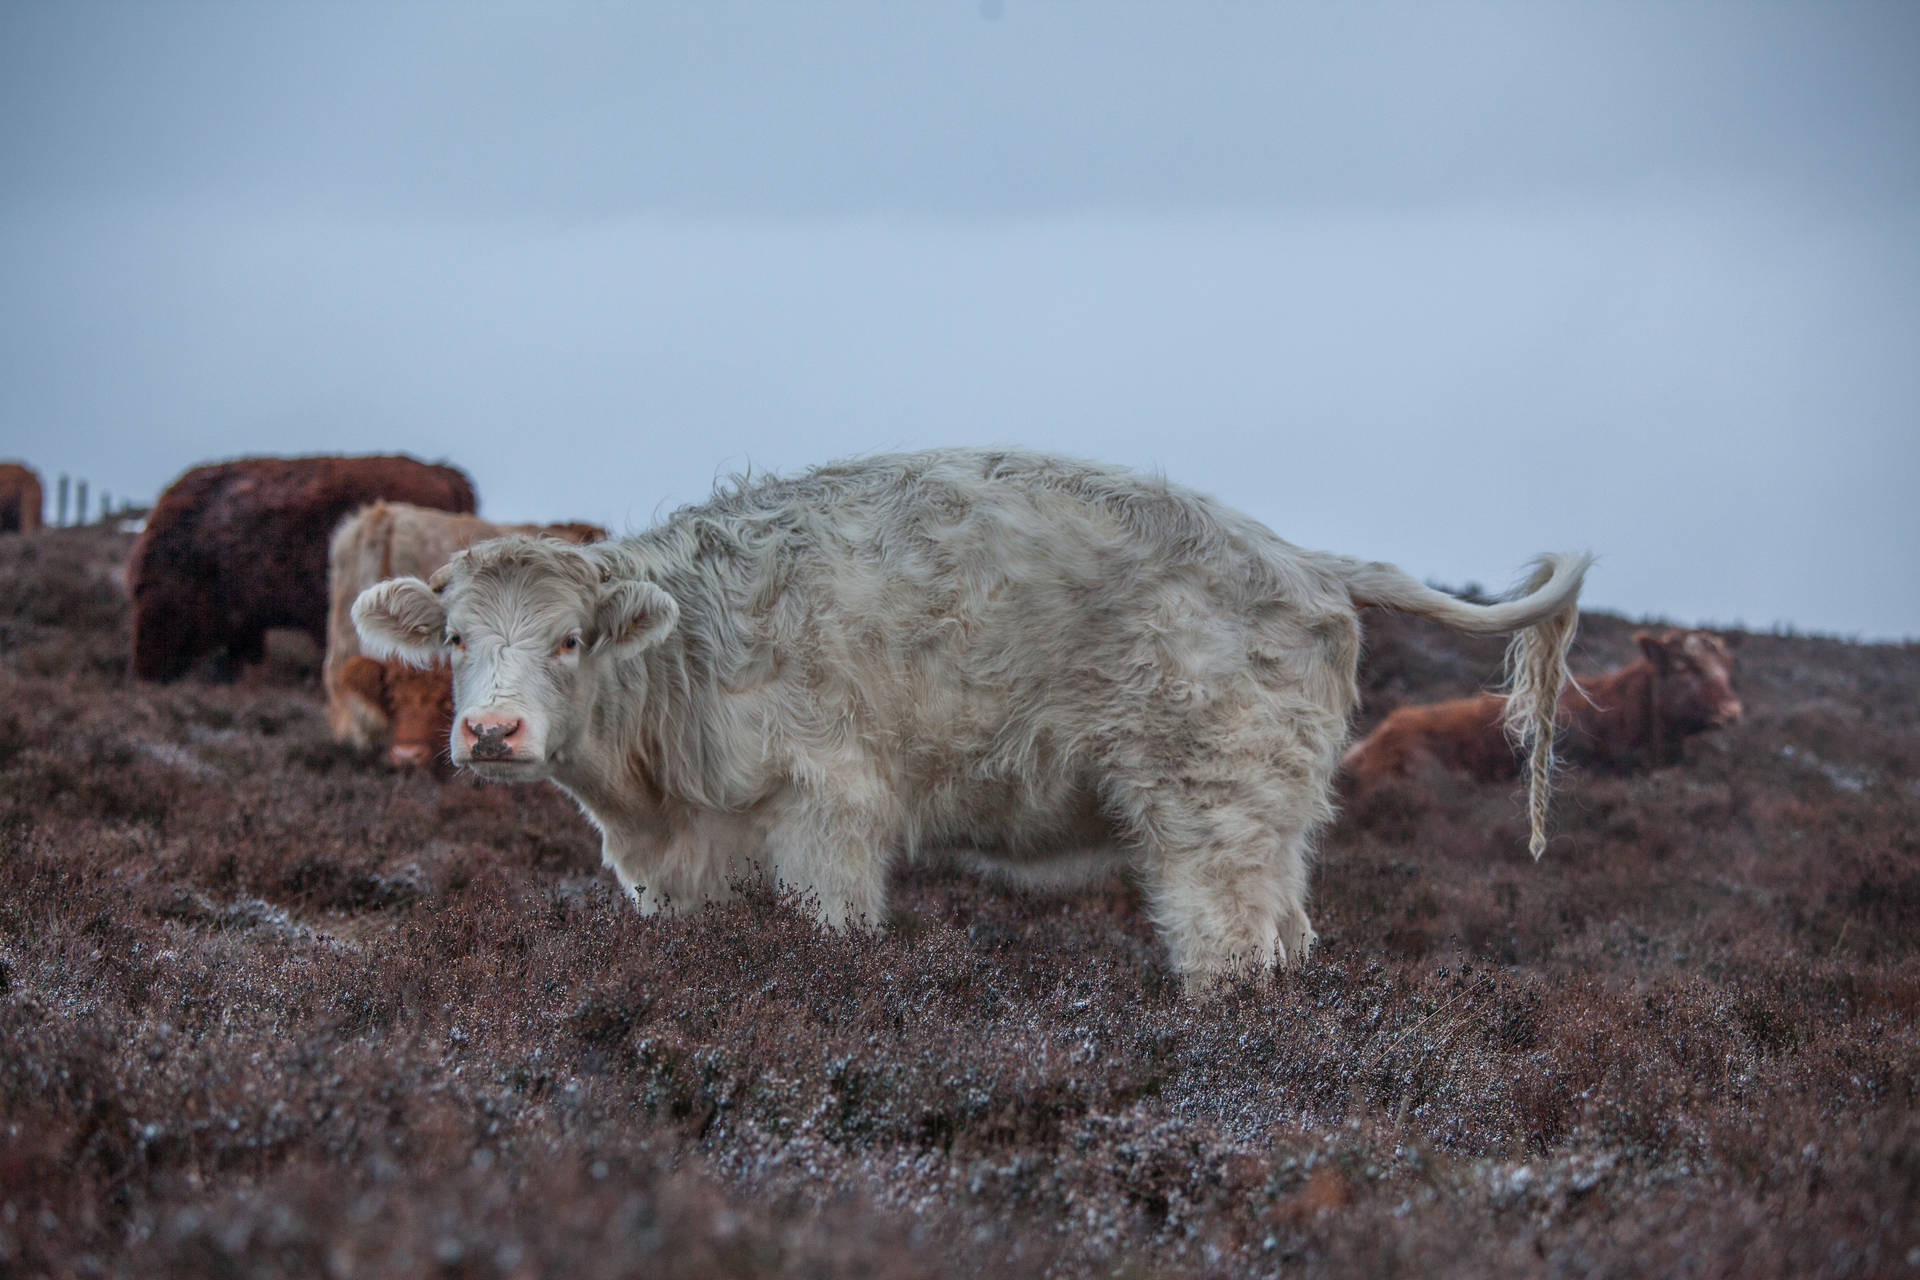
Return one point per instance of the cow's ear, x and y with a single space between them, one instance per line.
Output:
365 679
636 614
1652 646
401 619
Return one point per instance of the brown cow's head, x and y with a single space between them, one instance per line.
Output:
1695 690
418 704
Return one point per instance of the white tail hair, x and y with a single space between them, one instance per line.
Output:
1543 614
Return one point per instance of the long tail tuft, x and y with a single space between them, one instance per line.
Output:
1536 671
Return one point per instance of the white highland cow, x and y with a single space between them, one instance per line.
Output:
1050 664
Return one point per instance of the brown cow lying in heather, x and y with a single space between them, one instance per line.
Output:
1638 714
233 549
368 699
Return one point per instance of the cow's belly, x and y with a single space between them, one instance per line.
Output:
1023 822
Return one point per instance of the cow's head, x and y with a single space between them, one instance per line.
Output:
417 704
1695 690
535 630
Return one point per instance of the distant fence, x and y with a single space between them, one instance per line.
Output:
69 488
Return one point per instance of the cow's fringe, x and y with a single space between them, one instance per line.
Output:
1536 671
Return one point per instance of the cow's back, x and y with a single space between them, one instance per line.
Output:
234 548
1464 734
997 617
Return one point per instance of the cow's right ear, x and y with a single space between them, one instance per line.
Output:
1651 646
401 619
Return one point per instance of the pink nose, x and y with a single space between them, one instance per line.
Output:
408 754
491 737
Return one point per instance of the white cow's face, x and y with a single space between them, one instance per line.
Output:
533 631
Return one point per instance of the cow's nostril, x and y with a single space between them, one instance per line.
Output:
492 739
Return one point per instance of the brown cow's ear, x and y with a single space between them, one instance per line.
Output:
575 532
365 679
1653 648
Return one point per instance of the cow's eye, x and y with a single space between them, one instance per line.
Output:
454 641
570 644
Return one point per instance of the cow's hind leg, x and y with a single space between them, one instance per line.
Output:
1226 873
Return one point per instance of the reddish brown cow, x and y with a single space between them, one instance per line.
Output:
366 699
20 498
234 548
1638 714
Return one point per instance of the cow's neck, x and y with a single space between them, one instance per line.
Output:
606 770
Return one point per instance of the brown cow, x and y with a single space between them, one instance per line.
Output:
366 699
1635 715
234 548
20 498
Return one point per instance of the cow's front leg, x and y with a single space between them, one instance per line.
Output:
835 849
634 858
679 867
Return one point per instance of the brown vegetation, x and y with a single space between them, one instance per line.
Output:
267 1008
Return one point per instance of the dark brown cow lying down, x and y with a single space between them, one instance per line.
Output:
1635 715
367 700
235 548
20 498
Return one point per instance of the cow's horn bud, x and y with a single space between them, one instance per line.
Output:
438 582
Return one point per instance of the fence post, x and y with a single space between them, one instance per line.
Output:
62 506
80 504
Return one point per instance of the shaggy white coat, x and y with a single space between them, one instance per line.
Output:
1053 665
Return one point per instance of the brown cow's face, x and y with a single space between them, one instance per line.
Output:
1695 691
417 704
420 710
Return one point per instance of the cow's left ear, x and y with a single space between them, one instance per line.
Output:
1651 646
401 619
633 613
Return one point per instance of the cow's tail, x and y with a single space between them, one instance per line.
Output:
1542 615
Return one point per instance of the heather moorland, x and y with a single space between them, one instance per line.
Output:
268 1007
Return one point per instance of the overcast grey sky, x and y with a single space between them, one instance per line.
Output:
1443 283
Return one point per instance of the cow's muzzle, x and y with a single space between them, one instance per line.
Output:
492 738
